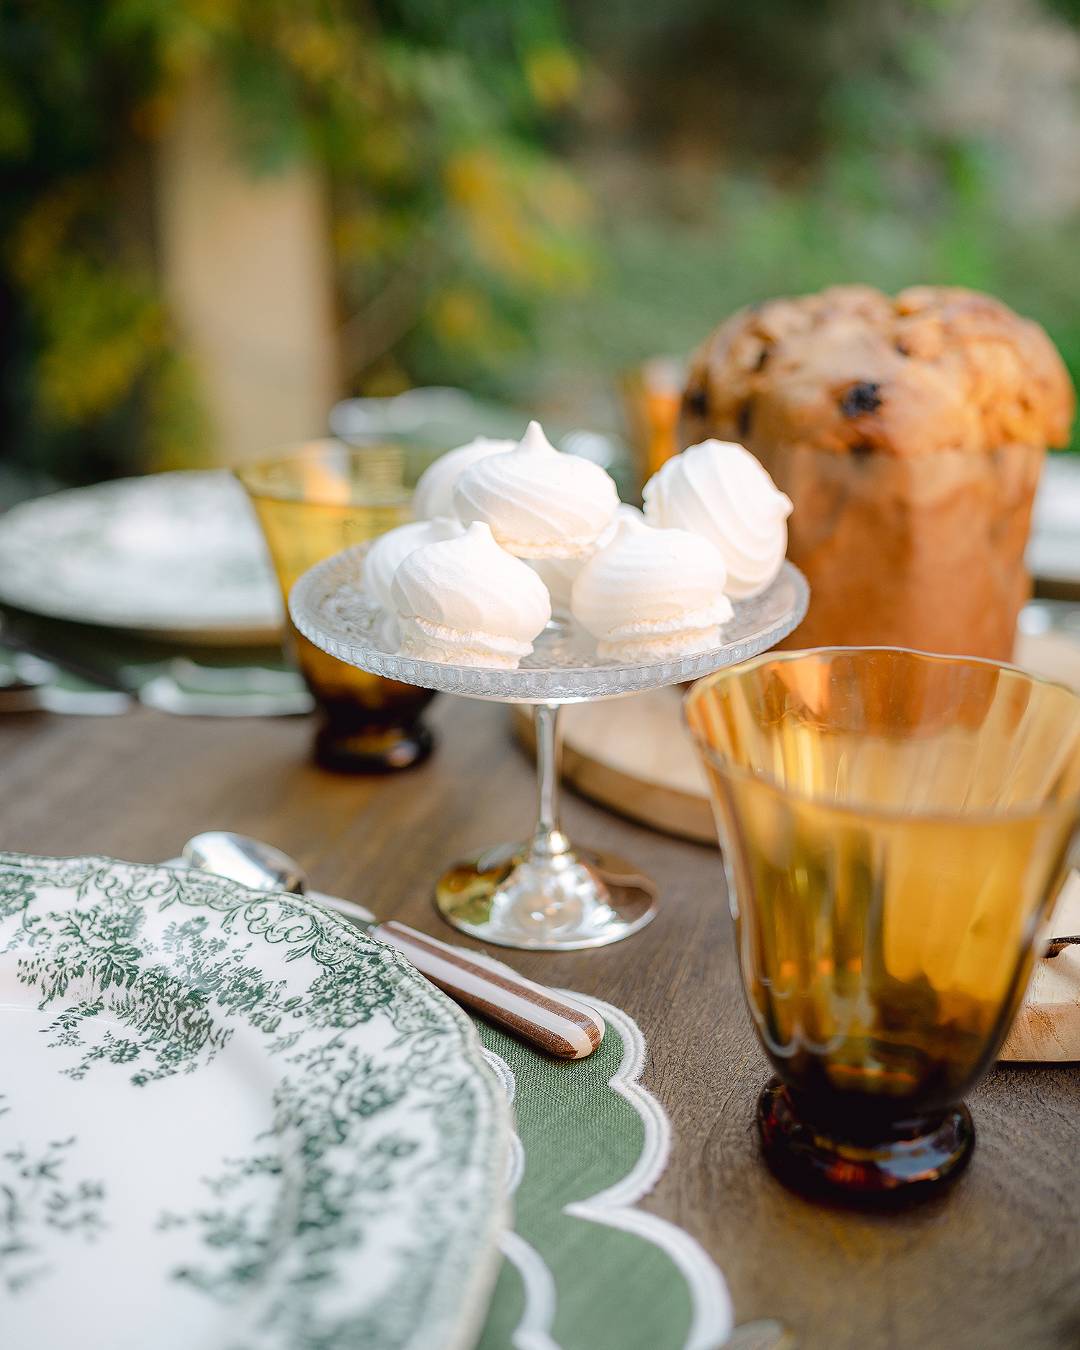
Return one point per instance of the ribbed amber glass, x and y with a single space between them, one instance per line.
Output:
895 827
313 501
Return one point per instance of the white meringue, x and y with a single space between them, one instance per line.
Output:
468 602
539 502
434 494
720 491
652 594
559 574
390 550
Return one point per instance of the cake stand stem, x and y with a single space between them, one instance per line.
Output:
549 840
546 895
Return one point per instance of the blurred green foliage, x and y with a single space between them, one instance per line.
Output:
802 145
665 285
529 195
431 119
830 157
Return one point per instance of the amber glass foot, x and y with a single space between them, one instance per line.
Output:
371 749
900 1163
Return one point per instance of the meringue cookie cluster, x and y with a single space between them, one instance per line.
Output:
507 531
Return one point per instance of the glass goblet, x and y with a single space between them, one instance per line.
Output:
311 502
895 829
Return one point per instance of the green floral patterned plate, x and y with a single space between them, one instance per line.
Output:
230 1121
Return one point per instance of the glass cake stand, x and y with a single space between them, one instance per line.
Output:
545 894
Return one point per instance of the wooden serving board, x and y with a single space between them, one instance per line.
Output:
634 755
1047 1027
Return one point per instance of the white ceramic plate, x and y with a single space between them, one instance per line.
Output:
1054 549
172 555
232 1121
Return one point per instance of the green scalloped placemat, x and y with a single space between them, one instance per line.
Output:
584 1269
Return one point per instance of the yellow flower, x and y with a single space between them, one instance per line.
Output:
461 316
553 75
474 178
313 48
362 235
45 227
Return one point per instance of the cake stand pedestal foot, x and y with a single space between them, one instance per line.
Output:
546 895
511 897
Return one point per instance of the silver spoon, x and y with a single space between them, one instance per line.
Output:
549 1020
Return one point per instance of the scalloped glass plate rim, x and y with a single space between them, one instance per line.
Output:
355 634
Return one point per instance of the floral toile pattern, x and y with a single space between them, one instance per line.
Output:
364 1209
40 1202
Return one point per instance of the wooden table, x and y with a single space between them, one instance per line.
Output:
996 1264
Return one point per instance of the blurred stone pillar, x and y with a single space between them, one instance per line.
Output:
248 271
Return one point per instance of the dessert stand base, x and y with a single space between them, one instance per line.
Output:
906 1162
519 896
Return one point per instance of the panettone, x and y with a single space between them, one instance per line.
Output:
909 433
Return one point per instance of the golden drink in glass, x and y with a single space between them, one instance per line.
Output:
312 502
895 828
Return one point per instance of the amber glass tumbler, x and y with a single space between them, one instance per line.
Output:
895 830
313 501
